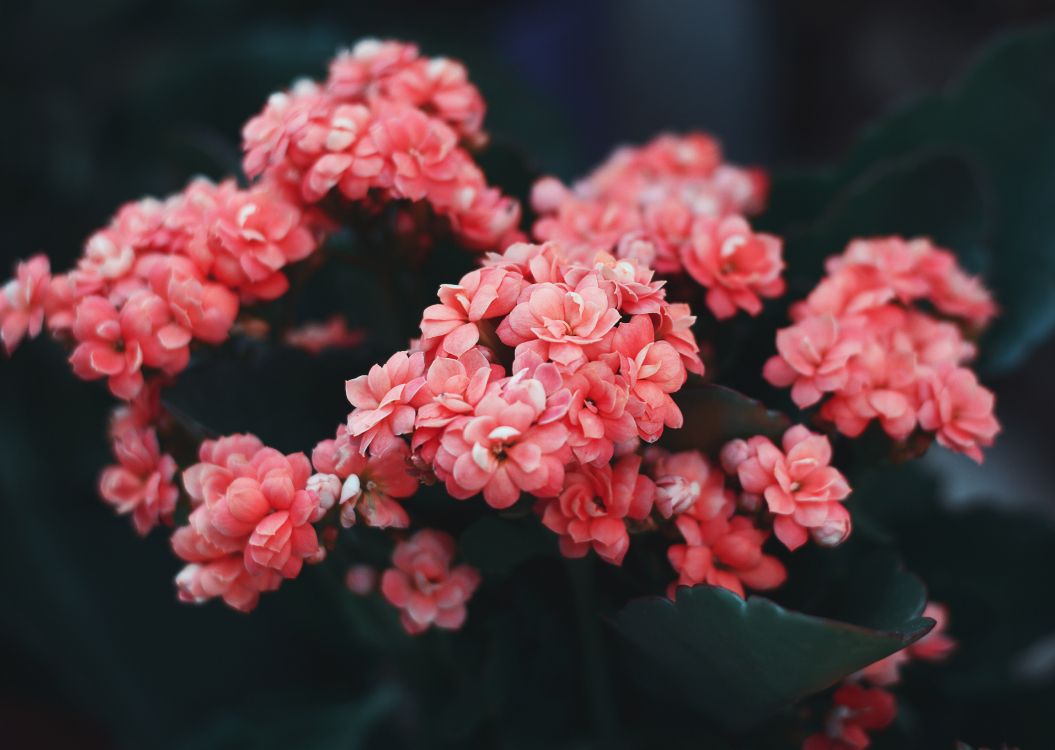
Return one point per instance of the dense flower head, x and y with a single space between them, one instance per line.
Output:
797 484
866 344
23 301
423 584
251 501
387 123
675 207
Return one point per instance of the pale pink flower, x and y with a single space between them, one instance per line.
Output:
454 387
675 327
723 551
354 73
277 133
504 448
653 370
565 320
591 508
440 87
483 218
799 486
960 410
813 359
480 295
588 227
250 238
630 285
369 486
420 154
424 586
737 265
206 310
23 301
341 154
103 351
386 401
881 387
141 481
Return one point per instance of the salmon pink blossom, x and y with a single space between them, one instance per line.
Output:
813 359
141 482
857 711
481 294
590 510
653 370
797 483
958 410
423 584
385 401
23 301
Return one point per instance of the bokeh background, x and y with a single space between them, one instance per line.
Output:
109 100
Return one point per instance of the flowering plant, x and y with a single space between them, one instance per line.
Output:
574 408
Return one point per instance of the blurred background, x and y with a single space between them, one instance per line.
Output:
110 100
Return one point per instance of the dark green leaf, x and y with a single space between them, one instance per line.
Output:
496 545
739 662
714 415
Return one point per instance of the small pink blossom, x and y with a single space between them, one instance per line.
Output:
334 333
653 370
959 410
504 448
736 265
141 481
590 510
687 483
424 586
102 350
212 573
454 387
798 485
813 359
563 320
386 401
23 301
597 416
368 487
482 294
361 579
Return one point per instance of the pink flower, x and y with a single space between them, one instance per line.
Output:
564 320
252 499
103 351
959 410
653 370
813 359
424 586
23 301
675 327
420 154
686 483
385 401
354 73
735 264
251 237
597 417
212 573
440 87
315 338
588 227
480 295
504 447
455 387
361 579
857 711
340 153
936 645
725 552
207 310
798 485
592 506
368 486
286 122
141 481
482 217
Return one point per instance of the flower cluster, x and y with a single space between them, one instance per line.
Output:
251 523
424 586
797 485
386 124
862 342
863 703
672 205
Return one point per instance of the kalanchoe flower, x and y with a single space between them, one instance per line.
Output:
591 509
936 645
367 487
724 551
141 483
857 711
385 401
331 334
103 350
597 416
799 487
23 301
424 586
736 265
212 573
687 483
958 410
504 447
653 370
813 359
480 295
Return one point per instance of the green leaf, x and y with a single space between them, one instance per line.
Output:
495 545
714 415
998 120
739 662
